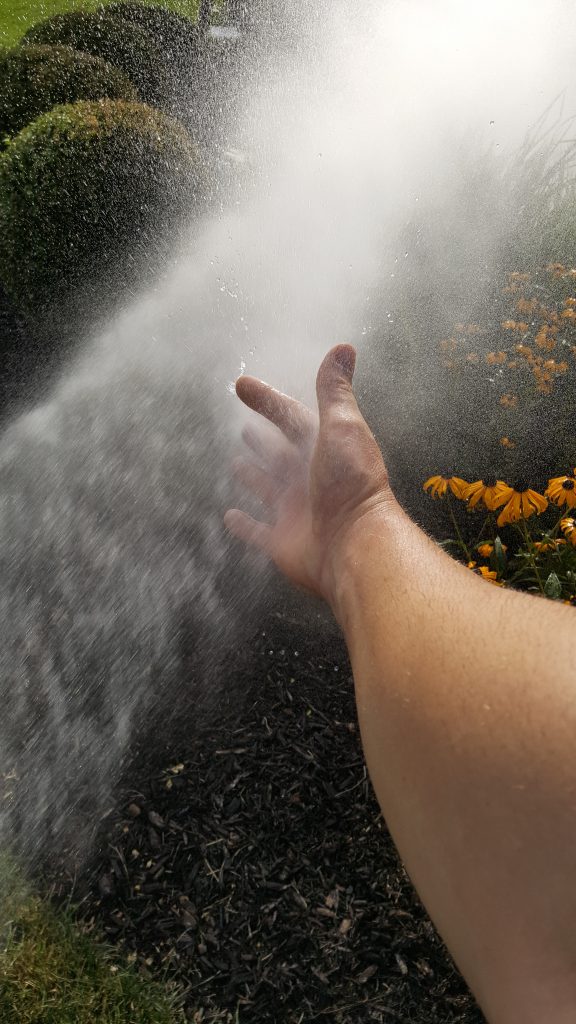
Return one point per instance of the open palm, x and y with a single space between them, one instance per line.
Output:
318 475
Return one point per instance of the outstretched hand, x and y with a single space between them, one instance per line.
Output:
318 475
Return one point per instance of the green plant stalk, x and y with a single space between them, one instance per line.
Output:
524 533
459 536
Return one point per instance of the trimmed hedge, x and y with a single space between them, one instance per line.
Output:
126 46
33 79
177 35
89 194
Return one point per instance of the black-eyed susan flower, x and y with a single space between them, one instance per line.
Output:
506 442
509 401
491 493
562 490
489 575
522 503
437 486
568 527
486 550
542 546
544 339
526 305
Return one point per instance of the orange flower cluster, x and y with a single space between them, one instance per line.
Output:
514 502
558 270
509 401
542 330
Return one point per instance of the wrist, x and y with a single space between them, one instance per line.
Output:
363 545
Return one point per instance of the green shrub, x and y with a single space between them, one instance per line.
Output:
33 79
127 46
89 195
176 34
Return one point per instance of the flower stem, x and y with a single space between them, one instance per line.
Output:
530 548
461 540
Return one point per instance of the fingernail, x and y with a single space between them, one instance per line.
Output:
345 358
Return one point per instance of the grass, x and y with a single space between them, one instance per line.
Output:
52 973
16 16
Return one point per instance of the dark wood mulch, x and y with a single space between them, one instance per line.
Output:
257 871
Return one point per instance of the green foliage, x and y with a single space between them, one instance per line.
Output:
127 46
18 15
175 33
33 79
52 973
89 194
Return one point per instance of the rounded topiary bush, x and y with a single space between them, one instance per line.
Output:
33 79
127 46
177 35
90 195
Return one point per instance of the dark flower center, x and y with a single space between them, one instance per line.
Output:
489 481
521 484
568 485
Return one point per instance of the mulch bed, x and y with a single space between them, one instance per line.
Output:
257 872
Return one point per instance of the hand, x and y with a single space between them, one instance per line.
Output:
318 475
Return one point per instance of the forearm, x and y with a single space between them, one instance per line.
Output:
467 705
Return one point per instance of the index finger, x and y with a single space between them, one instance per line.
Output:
295 421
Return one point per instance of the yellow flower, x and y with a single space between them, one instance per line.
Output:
543 340
562 490
437 486
570 302
509 401
485 573
490 576
568 527
524 350
495 358
509 325
507 443
522 503
548 545
526 305
492 493
487 549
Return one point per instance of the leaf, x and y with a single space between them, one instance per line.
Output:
499 557
553 587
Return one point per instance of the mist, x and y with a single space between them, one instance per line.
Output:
352 130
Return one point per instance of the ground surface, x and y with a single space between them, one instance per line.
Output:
258 871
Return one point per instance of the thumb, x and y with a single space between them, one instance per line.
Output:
334 380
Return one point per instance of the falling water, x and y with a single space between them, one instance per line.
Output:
118 587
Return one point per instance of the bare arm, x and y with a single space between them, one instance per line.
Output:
466 698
